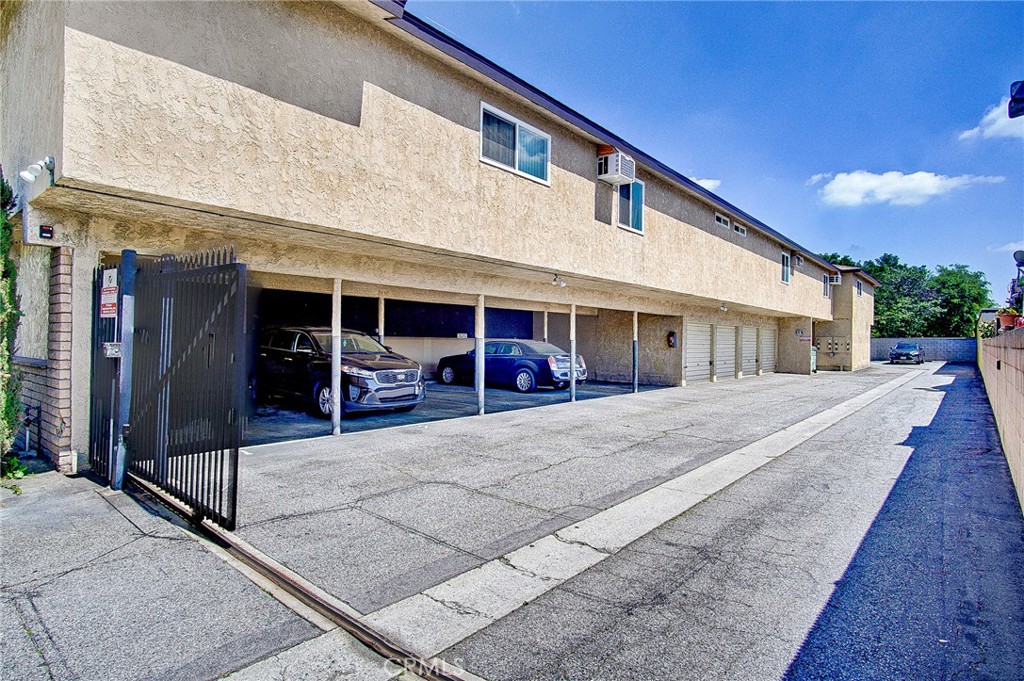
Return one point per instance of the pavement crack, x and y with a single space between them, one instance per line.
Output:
577 542
457 607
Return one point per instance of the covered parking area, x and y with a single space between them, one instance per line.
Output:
427 326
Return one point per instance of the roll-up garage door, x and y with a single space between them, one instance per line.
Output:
767 350
698 352
749 350
725 352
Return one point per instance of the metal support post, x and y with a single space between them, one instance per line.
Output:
380 319
572 352
119 465
336 397
545 326
636 351
479 332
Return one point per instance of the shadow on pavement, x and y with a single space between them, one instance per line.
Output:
936 588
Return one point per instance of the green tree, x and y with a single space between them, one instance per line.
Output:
837 259
906 302
961 294
10 403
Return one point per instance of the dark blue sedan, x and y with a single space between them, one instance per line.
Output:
520 364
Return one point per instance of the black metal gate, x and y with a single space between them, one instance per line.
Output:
106 333
188 369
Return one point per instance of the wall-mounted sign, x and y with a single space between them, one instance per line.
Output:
108 295
45 231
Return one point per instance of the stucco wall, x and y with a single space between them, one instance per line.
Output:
387 149
31 75
844 343
794 345
1002 367
33 290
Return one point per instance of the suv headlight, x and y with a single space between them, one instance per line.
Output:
356 371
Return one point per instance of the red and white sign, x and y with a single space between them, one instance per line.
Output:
108 295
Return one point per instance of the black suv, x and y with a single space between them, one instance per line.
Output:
297 361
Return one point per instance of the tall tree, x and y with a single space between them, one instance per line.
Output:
838 259
10 403
961 294
906 302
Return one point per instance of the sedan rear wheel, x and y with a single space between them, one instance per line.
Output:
447 375
525 382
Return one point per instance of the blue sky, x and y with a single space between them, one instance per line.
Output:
851 127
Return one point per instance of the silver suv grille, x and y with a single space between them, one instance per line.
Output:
391 377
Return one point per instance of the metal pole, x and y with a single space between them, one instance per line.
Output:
545 326
479 332
380 319
120 463
636 351
336 359
572 352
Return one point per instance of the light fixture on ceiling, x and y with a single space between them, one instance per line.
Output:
36 169
558 281
724 308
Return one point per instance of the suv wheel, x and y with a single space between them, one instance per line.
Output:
323 406
447 375
524 381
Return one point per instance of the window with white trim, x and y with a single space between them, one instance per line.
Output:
739 229
722 221
826 290
508 142
860 289
786 267
631 206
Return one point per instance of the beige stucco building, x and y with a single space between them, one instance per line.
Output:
349 141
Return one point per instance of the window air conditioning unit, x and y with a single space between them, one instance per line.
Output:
616 168
835 279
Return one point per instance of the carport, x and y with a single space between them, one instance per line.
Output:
425 326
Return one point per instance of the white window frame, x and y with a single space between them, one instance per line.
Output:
860 288
739 229
514 168
787 267
643 218
723 221
826 285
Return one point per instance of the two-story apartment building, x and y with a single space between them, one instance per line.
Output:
349 146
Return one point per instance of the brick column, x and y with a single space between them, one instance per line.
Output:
56 408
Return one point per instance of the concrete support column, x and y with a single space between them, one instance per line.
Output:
714 352
336 358
380 319
545 326
636 351
479 332
572 352
739 350
758 341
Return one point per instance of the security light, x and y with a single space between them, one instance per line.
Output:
34 170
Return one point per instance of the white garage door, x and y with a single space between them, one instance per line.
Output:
767 350
698 352
749 350
725 352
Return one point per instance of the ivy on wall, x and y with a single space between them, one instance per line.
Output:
10 402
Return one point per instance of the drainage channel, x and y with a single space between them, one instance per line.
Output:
347 619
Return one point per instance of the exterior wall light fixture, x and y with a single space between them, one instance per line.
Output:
724 308
558 281
36 169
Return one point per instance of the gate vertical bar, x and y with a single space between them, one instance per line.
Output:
128 270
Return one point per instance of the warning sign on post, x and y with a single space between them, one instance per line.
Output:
108 295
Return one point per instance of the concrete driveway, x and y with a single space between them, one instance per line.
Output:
693 532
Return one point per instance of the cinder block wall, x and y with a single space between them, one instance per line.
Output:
955 350
1002 367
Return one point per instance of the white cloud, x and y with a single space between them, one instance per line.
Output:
816 178
1010 247
995 123
861 187
710 185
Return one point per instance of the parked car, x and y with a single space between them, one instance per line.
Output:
520 364
906 352
296 361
